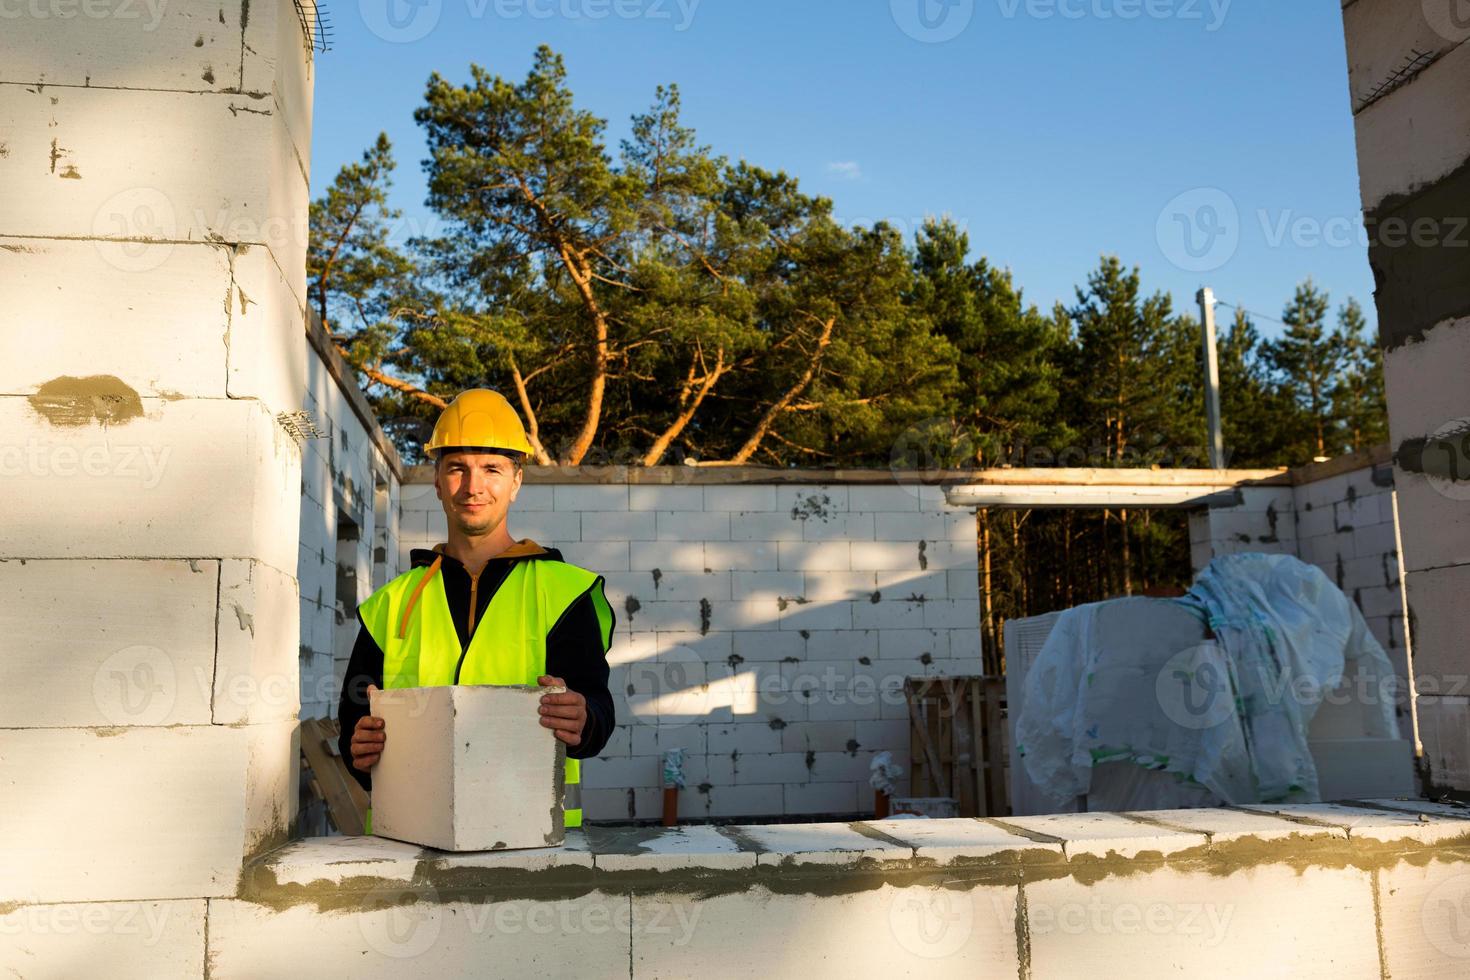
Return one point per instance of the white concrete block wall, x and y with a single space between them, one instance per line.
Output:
152 262
350 475
1414 162
765 629
1376 889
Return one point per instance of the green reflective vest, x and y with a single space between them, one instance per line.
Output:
409 618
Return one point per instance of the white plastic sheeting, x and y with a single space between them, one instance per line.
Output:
1211 695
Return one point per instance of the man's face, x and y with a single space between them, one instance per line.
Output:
476 490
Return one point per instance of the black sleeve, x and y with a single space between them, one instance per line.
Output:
363 668
574 653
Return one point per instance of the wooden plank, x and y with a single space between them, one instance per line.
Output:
347 802
982 774
995 747
922 727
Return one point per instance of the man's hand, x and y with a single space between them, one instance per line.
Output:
565 714
367 740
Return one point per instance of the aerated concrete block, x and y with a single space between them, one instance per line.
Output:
108 642
1418 134
104 163
118 940
97 472
163 329
468 769
114 814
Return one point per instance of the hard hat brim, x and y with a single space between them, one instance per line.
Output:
436 453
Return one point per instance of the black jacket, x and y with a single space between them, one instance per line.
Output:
573 648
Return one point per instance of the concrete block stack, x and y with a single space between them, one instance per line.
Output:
764 629
152 263
1409 70
1338 516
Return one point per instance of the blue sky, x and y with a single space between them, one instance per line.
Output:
1206 141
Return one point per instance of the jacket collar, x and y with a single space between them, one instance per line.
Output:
524 548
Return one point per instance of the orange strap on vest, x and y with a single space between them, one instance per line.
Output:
414 597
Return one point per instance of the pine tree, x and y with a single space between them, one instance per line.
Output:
1306 360
1358 397
1007 398
1258 417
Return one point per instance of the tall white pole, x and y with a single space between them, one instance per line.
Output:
1212 378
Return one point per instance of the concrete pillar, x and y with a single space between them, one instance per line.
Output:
153 200
1409 72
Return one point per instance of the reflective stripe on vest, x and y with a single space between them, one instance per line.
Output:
409 619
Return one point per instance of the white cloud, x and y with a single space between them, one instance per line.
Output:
846 169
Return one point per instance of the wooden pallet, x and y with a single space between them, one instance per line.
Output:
957 742
347 802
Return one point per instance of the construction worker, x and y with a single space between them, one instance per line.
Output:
484 608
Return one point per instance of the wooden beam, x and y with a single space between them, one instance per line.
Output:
1092 497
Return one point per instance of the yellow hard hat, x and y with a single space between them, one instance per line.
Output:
479 419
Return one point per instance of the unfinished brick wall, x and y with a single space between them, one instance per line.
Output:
765 629
151 263
350 477
1409 71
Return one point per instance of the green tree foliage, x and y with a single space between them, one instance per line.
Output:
357 279
1005 405
1358 401
1259 417
1306 359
